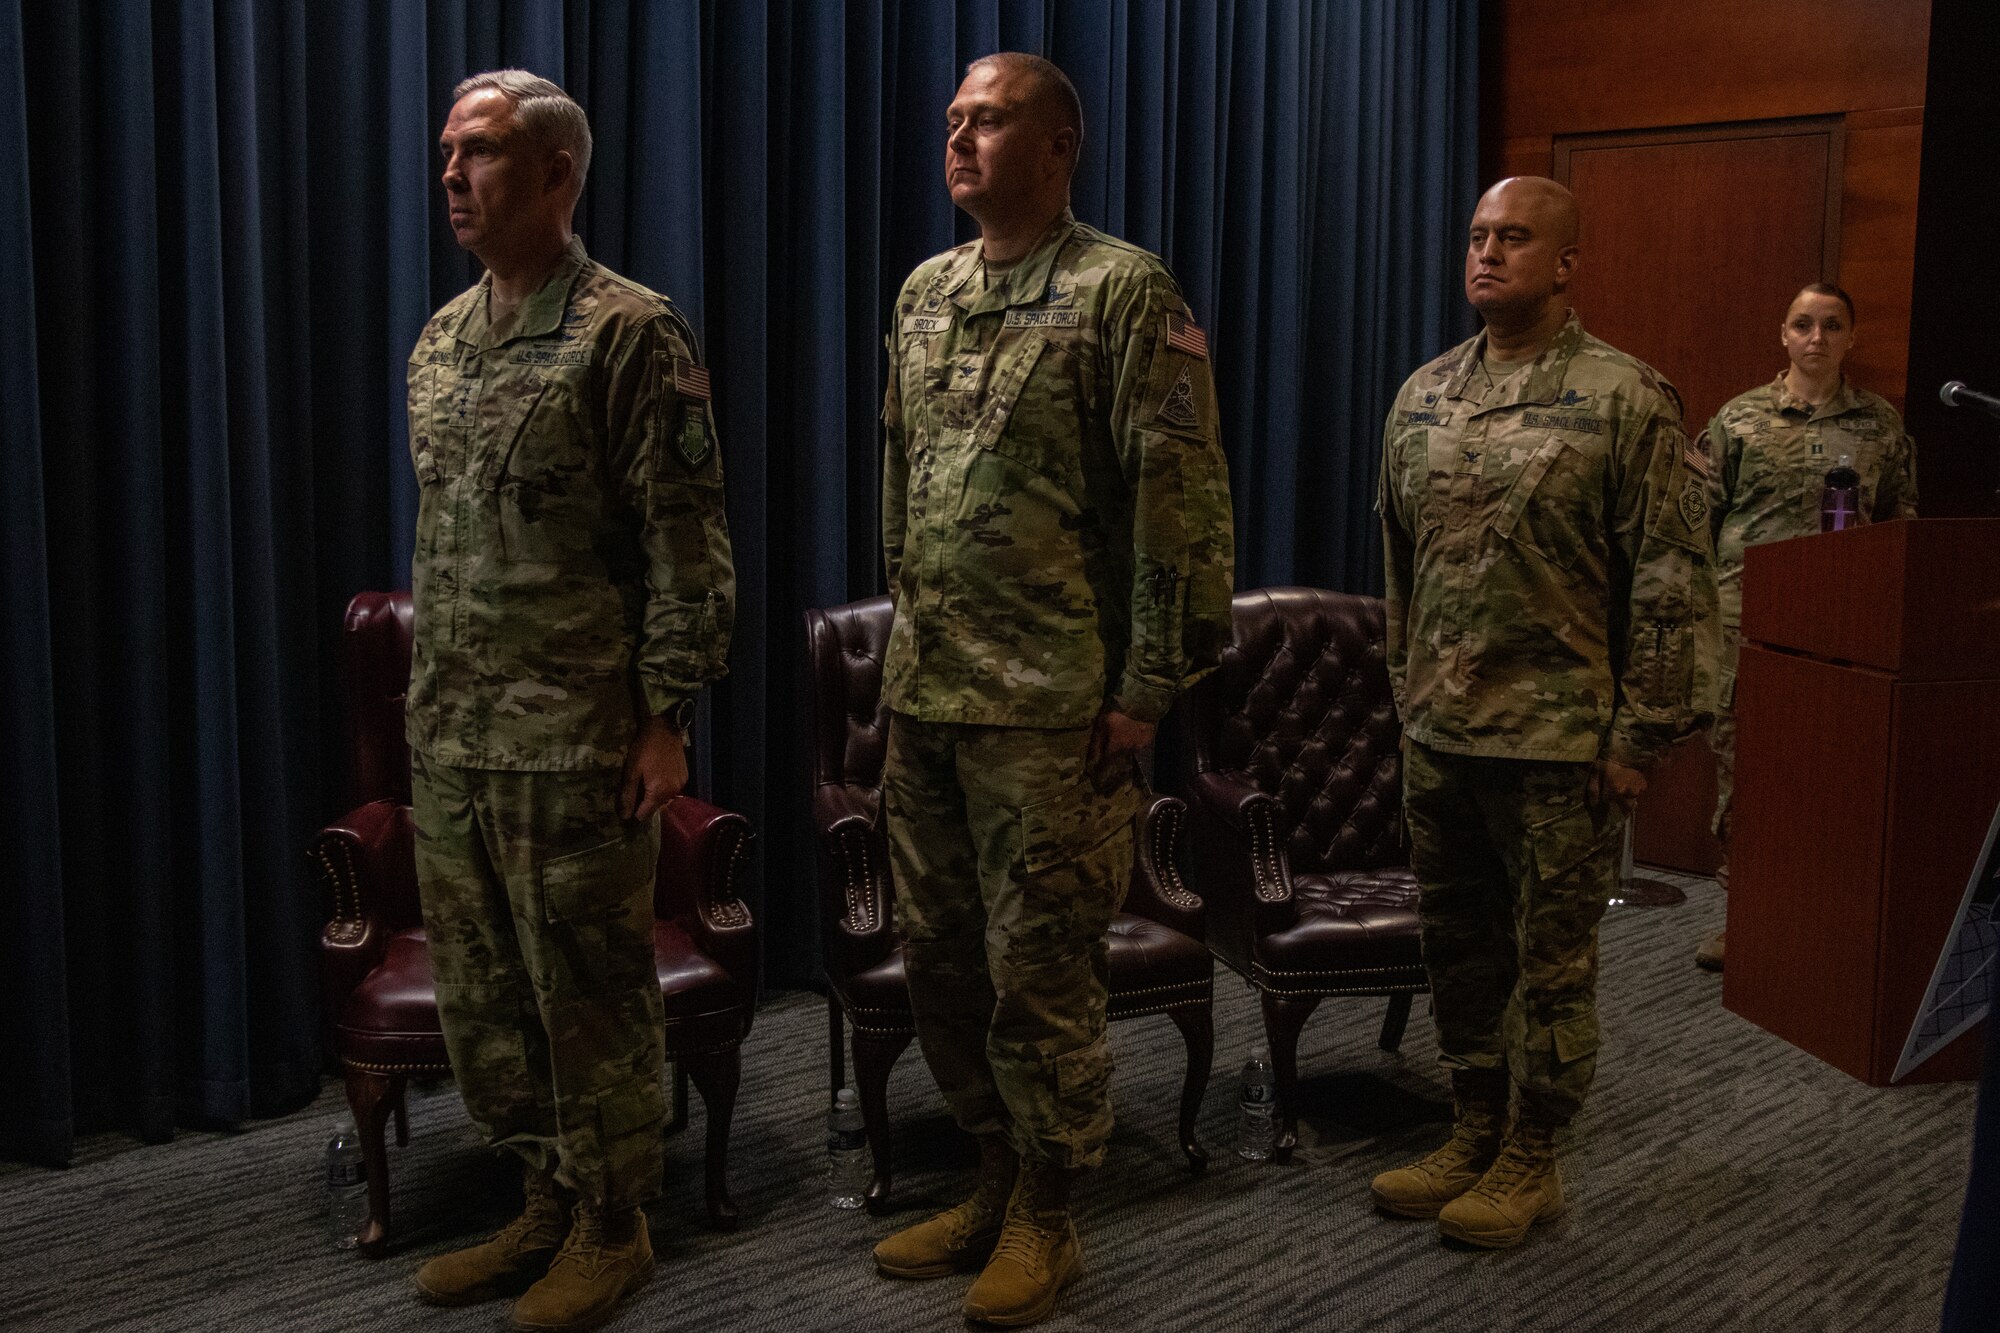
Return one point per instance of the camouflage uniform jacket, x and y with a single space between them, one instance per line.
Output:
572 567
1773 450
1551 591
1055 505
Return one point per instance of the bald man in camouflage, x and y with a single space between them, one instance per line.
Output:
1057 530
572 589
1551 611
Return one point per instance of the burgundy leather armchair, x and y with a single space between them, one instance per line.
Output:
379 1001
1297 837
1159 964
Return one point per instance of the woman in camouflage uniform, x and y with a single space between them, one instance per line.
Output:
1771 449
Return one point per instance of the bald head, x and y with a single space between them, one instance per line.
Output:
1549 202
1522 252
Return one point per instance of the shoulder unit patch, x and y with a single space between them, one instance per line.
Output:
1177 409
1694 502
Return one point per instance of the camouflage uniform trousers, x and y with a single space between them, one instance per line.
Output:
538 905
1722 740
1010 860
1515 871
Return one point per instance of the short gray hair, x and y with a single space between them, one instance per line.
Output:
548 116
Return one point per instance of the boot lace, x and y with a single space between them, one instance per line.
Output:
1027 1243
541 1214
584 1246
1516 1160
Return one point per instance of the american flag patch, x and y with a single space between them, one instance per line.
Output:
690 380
1696 456
1187 335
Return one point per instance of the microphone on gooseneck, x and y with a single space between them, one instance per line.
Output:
1955 394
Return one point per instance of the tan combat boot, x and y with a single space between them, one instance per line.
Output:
1478 1122
1708 954
1038 1252
607 1257
1521 1188
504 1265
958 1238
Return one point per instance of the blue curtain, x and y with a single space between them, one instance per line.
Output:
220 233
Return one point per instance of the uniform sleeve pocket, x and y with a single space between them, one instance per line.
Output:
598 880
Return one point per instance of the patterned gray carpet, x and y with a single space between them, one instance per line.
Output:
1719 1180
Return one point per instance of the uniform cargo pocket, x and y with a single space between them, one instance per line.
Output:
1575 1037
1567 840
1086 1071
598 880
1069 825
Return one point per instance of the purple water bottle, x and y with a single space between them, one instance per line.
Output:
1840 498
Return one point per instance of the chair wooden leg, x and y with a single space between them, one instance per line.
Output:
1284 1017
372 1097
402 1113
677 1097
716 1076
1395 1021
836 1044
874 1057
1198 1031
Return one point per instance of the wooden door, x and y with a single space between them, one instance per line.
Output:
1693 242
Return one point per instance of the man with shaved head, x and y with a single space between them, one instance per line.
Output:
1057 532
1551 607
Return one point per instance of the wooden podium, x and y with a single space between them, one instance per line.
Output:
1867 770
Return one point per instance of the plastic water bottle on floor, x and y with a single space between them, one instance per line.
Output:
846 1152
346 1185
1257 1129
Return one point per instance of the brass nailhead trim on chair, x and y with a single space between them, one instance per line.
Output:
860 875
1169 875
347 922
725 909
368 1067
1264 863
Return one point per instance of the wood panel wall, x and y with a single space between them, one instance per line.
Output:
1554 67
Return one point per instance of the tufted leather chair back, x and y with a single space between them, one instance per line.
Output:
1301 708
845 646
375 678
850 718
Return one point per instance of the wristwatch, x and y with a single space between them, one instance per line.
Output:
680 716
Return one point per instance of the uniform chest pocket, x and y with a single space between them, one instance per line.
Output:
1553 506
1032 412
543 471
1419 487
432 451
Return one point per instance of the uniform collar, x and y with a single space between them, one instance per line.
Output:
1544 381
1845 399
1026 282
540 315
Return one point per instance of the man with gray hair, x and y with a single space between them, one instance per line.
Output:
572 589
